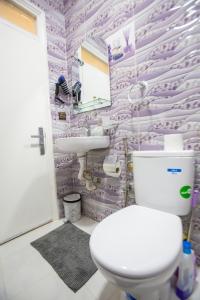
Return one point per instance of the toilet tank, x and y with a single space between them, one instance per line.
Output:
164 180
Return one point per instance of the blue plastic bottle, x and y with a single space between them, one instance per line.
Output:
187 273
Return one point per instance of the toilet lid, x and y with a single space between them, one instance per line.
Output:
137 242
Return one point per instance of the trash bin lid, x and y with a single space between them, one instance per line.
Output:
71 198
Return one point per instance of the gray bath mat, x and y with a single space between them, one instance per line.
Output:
67 250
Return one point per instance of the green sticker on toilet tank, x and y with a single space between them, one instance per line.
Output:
185 191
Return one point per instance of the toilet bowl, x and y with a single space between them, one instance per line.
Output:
138 249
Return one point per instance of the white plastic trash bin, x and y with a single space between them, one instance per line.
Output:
72 207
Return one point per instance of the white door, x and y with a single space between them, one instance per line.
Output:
27 185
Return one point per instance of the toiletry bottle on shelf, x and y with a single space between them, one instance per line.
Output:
186 273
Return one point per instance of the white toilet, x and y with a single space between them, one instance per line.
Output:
138 248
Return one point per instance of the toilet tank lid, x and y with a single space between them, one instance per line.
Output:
163 153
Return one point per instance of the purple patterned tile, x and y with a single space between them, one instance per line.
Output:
167 57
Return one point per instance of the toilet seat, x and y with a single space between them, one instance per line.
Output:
137 242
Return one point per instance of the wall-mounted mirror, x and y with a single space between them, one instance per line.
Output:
91 76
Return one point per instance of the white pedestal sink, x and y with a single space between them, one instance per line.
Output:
81 145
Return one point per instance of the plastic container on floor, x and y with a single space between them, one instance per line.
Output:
186 273
72 207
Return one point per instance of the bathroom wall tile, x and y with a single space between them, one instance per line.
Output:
56 6
167 58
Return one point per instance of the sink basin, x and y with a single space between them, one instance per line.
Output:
82 144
